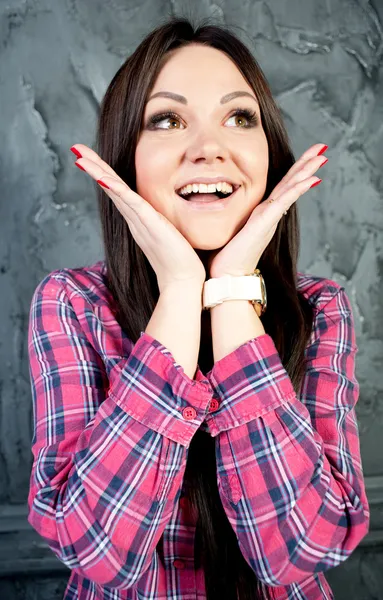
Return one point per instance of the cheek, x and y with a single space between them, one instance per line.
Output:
141 167
153 165
151 178
154 153
148 174
259 156
253 158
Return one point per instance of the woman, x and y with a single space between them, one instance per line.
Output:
181 452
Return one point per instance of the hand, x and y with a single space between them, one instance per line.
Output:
241 255
169 253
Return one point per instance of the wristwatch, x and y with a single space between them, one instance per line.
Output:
245 287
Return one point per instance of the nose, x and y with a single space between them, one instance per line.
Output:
207 146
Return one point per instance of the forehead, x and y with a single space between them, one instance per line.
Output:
196 71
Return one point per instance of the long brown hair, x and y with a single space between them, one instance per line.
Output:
133 283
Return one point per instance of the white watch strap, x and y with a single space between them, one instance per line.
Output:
245 287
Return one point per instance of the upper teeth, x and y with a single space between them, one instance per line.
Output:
221 186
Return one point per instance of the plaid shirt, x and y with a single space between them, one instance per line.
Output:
113 422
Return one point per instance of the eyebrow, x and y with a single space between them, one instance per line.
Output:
183 100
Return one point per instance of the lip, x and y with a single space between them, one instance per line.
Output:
209 180
209 206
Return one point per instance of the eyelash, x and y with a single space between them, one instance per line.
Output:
251 116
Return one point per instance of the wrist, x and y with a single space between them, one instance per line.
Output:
184 291
236 286
233 273
190 285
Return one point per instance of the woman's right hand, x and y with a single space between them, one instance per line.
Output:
169 253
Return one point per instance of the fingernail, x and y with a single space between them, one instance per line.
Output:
323 163
76 152
315 183
322 150
79 166
103 184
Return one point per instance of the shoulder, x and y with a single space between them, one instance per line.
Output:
320 291
88 283
77 302
333 315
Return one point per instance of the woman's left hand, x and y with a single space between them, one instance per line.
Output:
240 256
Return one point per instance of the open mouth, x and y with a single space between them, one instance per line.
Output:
207 196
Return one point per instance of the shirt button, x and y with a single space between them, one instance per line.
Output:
214 404
189 413
179 564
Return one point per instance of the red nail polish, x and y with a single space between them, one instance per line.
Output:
79 166
76 152
322 150
103 184
323 163
315 183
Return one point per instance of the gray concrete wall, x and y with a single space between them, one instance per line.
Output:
324 63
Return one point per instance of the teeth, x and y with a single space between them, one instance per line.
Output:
203 188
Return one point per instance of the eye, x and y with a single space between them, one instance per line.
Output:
159 117
250 116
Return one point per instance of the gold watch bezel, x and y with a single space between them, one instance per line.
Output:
262 304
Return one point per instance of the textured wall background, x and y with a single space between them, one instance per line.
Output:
324 63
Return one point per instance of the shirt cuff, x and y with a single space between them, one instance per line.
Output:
154 389
247 383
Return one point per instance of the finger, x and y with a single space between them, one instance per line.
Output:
95 170
284 201
308 168
135 207
299 172
312 152
98 173
127 202
126 210
90 154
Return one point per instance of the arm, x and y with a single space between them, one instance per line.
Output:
232 324
109 452
176 322
289 470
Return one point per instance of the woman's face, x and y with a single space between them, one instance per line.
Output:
203 140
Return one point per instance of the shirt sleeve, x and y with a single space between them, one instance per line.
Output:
289 469
109 454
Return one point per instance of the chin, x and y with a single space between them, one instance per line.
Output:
212 238
212 243
202 246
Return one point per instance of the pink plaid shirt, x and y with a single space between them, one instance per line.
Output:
113 422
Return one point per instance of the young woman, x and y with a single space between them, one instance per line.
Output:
185 453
